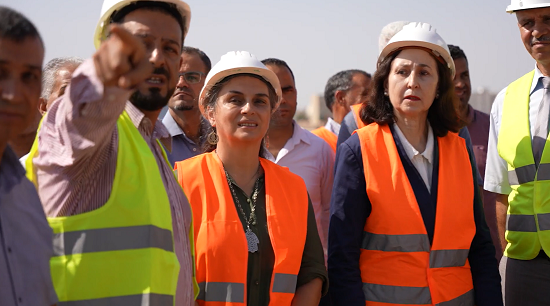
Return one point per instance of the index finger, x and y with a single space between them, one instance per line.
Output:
132 45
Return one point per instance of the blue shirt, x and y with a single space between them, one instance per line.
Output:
350 208
182 146
25 239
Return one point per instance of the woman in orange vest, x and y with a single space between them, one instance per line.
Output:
255 231
407 224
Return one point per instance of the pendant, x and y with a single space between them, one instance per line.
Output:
252 240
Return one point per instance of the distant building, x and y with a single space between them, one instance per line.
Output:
317 112
482 99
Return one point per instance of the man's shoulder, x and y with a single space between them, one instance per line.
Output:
314 140
498 102
499 99
319 130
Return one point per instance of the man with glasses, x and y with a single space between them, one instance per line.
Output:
184 120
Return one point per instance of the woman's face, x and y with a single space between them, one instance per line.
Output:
242 110
412 83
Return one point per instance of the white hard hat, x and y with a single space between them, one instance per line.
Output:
237 62
419 34
110 6
517 5
388 31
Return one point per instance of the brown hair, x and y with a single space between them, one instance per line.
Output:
212 94
443 114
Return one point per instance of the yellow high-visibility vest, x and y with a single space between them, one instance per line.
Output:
528 226
122 253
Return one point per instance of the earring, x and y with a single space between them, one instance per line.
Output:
266 141
212 138
385 93
437 95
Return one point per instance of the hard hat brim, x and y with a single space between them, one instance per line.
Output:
513 8
103 22
268 75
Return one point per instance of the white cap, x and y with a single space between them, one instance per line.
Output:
110 6
419 34
517 5
237 62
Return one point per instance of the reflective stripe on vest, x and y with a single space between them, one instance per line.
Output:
528 226
221 292
112 239
398 265
223 279
411 295
123 252
415 243
146 299
234 292
526 174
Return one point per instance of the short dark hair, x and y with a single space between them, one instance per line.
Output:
443 115
204 58
457 53
278 62
341 81
158 6
15 26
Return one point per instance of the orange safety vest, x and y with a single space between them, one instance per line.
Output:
327 136
221 246
356 109
398 265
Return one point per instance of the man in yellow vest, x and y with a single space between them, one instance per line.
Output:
122 225
518 164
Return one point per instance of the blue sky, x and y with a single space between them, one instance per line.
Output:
316 38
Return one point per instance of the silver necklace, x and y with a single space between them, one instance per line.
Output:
251 237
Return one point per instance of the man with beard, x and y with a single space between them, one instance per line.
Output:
120 219
183 120
518 163
302 152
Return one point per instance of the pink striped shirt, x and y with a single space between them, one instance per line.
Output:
78 158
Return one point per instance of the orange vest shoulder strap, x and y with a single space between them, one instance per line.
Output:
356 109
328 136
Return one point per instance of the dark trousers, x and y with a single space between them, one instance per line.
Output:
528 281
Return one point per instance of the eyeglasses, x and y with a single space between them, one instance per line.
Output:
191 77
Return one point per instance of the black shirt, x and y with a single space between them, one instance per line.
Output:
260 263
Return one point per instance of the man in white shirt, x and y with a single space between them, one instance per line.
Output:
517 169
298 149
344 89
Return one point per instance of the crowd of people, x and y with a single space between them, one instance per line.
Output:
407 196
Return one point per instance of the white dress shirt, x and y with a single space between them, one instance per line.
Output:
496 171
422 161
311 158
333 126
